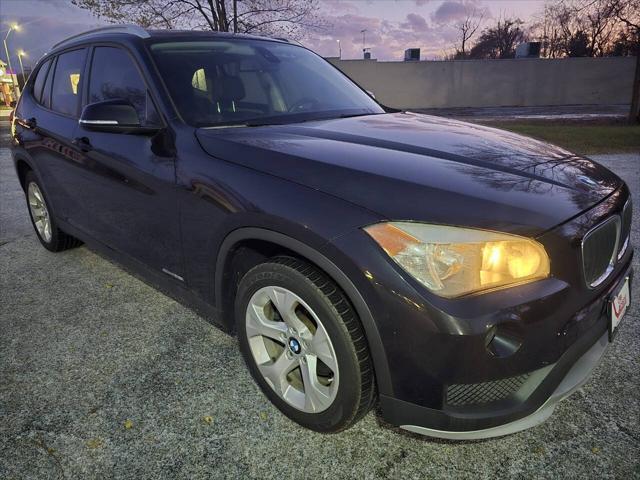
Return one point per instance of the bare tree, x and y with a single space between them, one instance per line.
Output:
291 18
546 28
570 24
627 12
499 40
601 25
583 27
467 28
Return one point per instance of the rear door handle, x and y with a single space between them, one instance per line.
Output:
82 143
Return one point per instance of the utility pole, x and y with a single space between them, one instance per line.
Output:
363 32
235 16
634 112
20 55
339 49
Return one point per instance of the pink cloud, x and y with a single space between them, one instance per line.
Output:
386 38
415 22
449 11
393 26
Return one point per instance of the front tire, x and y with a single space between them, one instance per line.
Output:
304 345
43 220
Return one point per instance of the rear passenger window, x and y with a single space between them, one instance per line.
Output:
115 76
66 82
39 82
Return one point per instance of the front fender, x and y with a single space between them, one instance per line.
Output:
330 268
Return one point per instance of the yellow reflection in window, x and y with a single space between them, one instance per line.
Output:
75 80
198 80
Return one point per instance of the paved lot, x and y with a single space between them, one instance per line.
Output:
101 376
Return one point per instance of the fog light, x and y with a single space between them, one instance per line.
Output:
504 339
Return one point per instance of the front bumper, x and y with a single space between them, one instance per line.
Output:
574 379
531 404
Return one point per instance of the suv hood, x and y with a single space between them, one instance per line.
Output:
407 166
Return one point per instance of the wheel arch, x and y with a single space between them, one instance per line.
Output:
285 244
22 168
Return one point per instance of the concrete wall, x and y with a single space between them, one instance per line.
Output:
492 83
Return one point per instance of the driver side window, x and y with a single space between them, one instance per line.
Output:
115 76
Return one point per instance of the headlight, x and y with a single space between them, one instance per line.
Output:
452 261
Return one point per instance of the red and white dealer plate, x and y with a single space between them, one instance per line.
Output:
618 307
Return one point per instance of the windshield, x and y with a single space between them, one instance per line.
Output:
242 81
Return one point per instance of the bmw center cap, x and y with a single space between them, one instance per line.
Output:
294 346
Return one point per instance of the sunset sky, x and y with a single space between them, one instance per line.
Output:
392 25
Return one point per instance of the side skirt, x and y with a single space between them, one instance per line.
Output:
164 283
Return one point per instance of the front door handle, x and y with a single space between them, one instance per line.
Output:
29 123
82 143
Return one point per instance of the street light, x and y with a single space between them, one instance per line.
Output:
339 49
12 27
22 53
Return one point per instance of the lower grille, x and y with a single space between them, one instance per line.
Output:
486 392
599 251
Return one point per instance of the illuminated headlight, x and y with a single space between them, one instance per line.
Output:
452 261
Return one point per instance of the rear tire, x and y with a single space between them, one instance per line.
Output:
43 218
311 360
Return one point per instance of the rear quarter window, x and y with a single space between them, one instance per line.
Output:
45 98
38 84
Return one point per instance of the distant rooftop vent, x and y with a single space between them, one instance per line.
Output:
412 55
528 50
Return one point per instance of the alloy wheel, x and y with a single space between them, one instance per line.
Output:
292 349
39 211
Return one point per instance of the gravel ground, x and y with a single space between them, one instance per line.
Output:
101 376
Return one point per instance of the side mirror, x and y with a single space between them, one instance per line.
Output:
115 116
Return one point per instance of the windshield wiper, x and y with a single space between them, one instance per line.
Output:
350 115
258 122
264 123
251 123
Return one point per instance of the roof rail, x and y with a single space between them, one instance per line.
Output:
124 28
288 40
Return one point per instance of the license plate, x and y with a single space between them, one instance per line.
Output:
618 307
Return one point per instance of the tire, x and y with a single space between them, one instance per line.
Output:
312 394
43 218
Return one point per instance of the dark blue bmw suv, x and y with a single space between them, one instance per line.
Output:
463 278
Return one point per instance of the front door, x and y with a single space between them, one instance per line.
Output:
130 200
